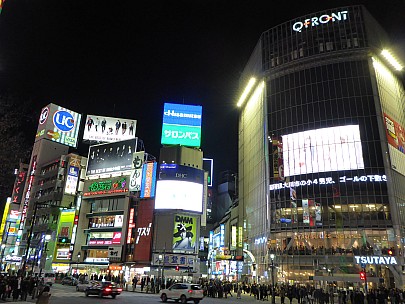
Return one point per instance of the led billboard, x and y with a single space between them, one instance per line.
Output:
322 150
58 124
181 125
108 129
111 157
395 133
177 194
184 232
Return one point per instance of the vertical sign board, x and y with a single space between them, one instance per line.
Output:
130 225
181 125
143 232
185 232
73 174
59 125
5 214
19 186
136 173
208 166
148 185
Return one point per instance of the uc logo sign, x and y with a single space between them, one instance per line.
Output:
44 115
64 121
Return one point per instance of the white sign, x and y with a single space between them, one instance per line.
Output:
108 129
114 253
315 21
96 260
377 260
136 173
143 231
13 258
329 181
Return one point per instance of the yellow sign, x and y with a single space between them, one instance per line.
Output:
5 214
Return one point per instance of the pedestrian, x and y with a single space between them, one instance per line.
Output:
44 296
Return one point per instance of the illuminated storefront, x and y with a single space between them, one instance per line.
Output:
331 191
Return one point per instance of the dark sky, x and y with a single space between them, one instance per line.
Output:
126 58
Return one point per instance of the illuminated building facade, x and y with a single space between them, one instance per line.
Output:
321 151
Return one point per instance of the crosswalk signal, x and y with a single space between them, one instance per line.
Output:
362 275
177 268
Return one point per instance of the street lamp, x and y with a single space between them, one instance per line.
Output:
273 295
77 264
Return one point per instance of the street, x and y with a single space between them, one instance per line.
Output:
62 294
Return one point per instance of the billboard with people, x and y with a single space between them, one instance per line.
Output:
108 129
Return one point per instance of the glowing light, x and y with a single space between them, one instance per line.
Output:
246 92
390 58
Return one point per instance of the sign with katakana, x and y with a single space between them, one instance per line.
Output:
181 125
114 253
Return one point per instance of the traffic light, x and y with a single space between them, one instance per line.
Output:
362 275
177 268
64 240
390 252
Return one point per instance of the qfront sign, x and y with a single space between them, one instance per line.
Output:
316 21
376 260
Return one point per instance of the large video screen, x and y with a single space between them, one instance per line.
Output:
108 129
181 125
179 195
322 150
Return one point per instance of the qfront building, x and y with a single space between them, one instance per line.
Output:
321 153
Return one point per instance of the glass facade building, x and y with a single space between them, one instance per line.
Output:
321 152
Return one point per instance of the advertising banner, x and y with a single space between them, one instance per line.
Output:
322 150
108 129
58 124
312 213
71 180
114 253
136 173
143 232
110 158
148 184
208 166
185 232
180 172
395 133
181 125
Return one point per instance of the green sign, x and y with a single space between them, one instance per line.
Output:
108 185
181 135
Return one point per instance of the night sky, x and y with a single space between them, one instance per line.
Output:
126 58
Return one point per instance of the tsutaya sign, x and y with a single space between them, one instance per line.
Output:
377 260
315 21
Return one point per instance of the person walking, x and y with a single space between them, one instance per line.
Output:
44 296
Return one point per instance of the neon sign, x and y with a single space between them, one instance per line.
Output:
377 260
315 21
107 187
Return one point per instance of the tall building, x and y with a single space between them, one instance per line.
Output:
321 151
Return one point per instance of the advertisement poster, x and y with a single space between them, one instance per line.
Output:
322 150
58 124
184 233
71 180
395 133
110 158
136 173
312 213
19 186
181 125
143 232
108 129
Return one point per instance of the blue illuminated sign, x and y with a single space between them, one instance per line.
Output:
64 121
181 125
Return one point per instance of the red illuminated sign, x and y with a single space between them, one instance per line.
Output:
130 225
143 232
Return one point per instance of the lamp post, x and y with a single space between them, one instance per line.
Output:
44 253
273 295
77 264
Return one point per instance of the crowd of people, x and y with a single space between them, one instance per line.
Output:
19 288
